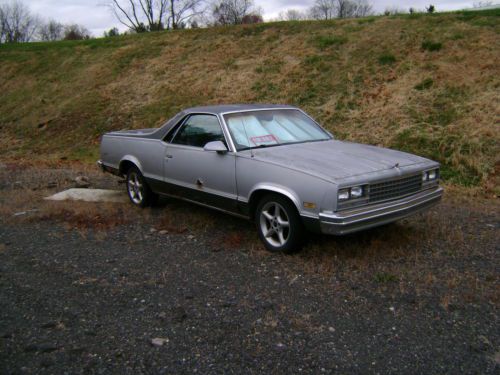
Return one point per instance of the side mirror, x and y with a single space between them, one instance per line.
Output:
216 146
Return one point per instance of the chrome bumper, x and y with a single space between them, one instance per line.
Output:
354 220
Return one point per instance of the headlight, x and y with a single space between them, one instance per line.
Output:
356 192
430 175
351 193
343 194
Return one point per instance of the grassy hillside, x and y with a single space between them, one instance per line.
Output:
428 84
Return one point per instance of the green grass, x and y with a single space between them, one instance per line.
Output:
326 41
431 46
491 15
367 20
386 59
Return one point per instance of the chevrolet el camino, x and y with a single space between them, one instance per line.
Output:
272 164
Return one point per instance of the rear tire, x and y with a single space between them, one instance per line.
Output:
279 225
138 190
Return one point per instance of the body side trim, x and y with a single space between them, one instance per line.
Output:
206 205
203 189
209 198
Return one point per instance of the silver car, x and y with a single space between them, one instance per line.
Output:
274 165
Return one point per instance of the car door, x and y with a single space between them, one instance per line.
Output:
191 172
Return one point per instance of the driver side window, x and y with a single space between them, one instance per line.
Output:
198 130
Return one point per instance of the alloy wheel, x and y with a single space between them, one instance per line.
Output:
135 188
274 224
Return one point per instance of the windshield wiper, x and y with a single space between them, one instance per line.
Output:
259 146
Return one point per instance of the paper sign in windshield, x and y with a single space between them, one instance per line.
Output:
264 140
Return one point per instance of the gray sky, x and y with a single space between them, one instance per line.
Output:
97 17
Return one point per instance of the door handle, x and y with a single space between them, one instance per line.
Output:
168 156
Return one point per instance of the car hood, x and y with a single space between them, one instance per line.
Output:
336 159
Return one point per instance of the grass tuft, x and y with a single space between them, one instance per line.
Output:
431 46
425 84
386 59
326 41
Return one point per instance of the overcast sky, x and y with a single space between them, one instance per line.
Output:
97 17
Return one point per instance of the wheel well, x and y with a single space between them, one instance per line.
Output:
125 165
258 195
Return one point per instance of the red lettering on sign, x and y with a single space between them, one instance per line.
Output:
264 139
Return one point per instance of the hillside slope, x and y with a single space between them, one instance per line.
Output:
428 84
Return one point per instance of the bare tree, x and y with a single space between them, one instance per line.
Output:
292 15
194 23
76 32
17 24
182 11
323 10
140 15
232 12
2 26
51 31
344 8
328 9
353 8
363 8
153 15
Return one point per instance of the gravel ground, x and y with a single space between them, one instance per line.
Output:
419 297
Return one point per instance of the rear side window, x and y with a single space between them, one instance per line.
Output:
198 130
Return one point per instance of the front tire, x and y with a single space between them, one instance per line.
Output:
279 225
138 190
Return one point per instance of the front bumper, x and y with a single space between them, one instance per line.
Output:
354 220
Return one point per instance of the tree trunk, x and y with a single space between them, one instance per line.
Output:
172 14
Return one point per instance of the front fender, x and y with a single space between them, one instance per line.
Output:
279 189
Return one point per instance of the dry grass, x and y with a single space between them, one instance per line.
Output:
27 184
26 205
423 256
331 69
83 215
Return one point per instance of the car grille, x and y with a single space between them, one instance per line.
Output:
395 188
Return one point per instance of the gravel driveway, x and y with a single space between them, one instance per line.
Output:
418 297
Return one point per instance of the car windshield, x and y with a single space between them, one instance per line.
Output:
267 128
